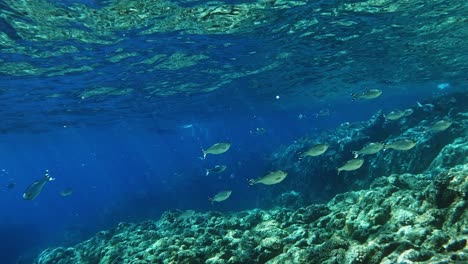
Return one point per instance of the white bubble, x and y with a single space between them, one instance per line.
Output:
277 97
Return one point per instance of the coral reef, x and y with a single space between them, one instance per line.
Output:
434 151
402 218
402 207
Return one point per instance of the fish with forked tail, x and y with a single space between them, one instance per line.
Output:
221 196
216 169
216 149
369 149
36 187
402 144
315 150
441 125
351 165
367 95
271 178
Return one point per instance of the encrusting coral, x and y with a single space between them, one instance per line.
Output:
402 218
413 210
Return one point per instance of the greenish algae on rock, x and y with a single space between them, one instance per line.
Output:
402 218
405 212
433 152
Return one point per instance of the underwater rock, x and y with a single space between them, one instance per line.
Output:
451 155
403 218
291 199
433 152
399 207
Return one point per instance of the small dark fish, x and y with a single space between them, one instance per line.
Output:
11 185
66 192
36 187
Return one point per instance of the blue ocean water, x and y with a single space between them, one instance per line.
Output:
117 99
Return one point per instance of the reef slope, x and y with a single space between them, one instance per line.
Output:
401 218
316 178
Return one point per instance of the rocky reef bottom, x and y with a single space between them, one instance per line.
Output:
402 218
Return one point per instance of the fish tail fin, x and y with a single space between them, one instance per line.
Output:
385 147
386 120
251 182
210 199
355 154
338 171
301 155
354 97
48 177
207 172
204 155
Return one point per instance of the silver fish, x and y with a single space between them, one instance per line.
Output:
369 149
271 178
316 150
216 149
36 187
441 125
351 165
402 144
216 169
369 94
221 196
394 115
